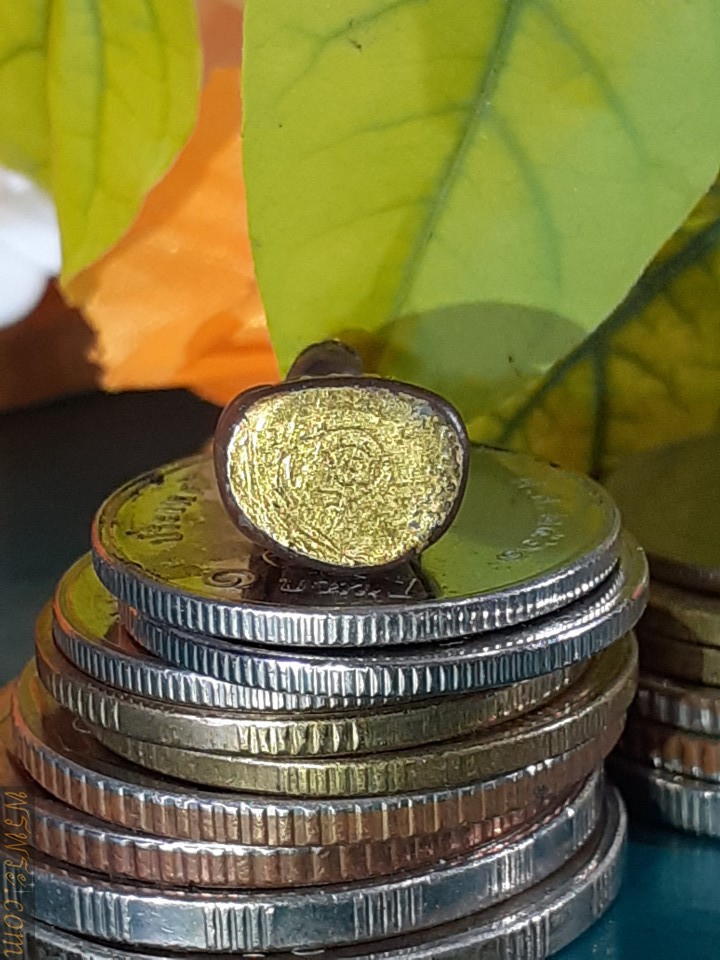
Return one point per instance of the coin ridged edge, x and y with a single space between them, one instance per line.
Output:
693 708
424 621
169 810
262 735
688 804
533 925
671 749
316 917
577 716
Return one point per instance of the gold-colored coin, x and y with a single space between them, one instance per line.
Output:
343 472
665 747
683 614
300 734
581 713
687 661
61 754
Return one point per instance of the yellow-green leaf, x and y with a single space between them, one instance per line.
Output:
649 375
96 100
409 157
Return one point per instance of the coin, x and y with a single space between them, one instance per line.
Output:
266 734
341 471
691 708
61 755
532 925
683 614
528 539
683 802
546 645
86 629
72 837
678 751
687 661
668 498
601 696
337 914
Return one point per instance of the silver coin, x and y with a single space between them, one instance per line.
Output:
61 755
285 734
533 925
682 705
575 633
87 631
306 918
528 540
683 802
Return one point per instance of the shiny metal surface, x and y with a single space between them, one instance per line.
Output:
59 752
73 837
677 751
86 629
531 926
683 705
297 734
344 472
598 701
306 918
528 540
682 802
573 634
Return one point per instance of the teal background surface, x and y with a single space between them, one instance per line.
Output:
57 463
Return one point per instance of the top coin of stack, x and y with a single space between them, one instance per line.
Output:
413 730
671 750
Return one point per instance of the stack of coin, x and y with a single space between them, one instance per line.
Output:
233 754
669 757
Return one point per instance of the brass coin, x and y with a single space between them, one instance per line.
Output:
62 755
668 499
683 614
668 748
297 735
341 472
689 707
71 836
602 694
687 661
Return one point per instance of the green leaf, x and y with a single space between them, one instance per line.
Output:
404 158
649 375
97 99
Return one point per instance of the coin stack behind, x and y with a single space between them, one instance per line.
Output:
233 754
669 758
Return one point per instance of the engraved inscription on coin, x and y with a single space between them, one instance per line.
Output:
343 472
527 540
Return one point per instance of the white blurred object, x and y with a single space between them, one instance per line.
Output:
29 245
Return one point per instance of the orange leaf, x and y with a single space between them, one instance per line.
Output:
175 303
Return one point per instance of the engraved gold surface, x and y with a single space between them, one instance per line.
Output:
581 713
296 734
347 475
